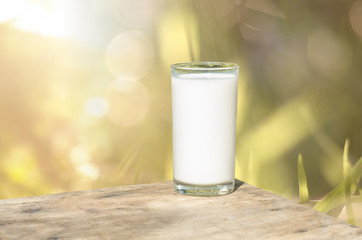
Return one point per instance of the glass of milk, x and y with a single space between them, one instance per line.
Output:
204 102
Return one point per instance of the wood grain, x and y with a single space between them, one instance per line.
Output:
155 211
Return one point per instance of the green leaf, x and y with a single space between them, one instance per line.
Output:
336 197
302 181
347 190
348 203
346 164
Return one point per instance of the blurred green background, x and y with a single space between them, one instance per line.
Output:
85 98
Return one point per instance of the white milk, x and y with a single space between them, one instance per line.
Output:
204 127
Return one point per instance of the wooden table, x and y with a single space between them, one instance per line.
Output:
155 211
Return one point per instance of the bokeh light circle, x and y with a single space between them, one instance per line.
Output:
79 154
355 17
96 106
130 55
138 13
328 54
128 102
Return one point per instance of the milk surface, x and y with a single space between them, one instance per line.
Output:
204 127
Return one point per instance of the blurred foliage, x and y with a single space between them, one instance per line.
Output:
302 181
85 96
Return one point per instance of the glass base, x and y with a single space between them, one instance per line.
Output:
204 190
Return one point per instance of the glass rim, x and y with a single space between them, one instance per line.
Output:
205 66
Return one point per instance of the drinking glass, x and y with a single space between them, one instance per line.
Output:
204 104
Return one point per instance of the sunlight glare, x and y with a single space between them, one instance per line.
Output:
52 20
11 10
